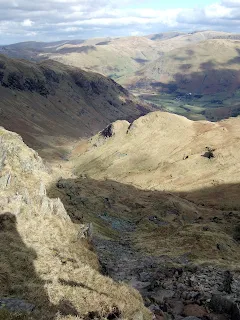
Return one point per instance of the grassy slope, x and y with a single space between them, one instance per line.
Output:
209 68
163 152
168 139
43 259
200 62
114 57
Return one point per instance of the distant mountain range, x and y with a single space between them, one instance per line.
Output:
162 68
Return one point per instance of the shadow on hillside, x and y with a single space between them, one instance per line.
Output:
210 79
86 197
21 289
176 227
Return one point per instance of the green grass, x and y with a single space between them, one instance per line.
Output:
206 107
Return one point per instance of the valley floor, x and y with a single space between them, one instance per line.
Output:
211 107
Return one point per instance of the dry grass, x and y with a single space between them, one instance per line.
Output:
43 260
189 193
205 234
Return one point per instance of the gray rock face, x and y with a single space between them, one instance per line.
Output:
16 305
22 173
161 295
191 318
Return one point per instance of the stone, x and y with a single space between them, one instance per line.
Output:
16 305
212 316
153 307
144 276
191 318
224 304
5 180
235 313
161 295
194 310
176 307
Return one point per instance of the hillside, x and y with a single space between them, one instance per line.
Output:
48 267
161 68
201 79
171 146
168 153
114 57
51 104
163 196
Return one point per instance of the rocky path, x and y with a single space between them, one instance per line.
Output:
174 289
187 292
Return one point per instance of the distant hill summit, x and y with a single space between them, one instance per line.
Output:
161 68
115 57
48 102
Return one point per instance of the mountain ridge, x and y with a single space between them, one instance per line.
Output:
50 102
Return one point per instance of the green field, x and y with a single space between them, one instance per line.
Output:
197 107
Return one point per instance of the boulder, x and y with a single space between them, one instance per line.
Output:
223 304
194 310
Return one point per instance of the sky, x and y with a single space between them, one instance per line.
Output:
54 20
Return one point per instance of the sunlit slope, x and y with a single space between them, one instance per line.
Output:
174 182
164 151
115 57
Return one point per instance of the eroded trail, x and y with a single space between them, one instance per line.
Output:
137 236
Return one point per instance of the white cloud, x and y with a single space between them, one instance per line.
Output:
231 3
217 11
27 23
72 29
56 19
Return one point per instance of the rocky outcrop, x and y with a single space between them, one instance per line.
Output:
48 266
22 178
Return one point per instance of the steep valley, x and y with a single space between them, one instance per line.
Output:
52 105
193 74
48 267
141 206
121 211
200 81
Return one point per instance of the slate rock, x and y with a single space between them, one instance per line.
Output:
16 305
